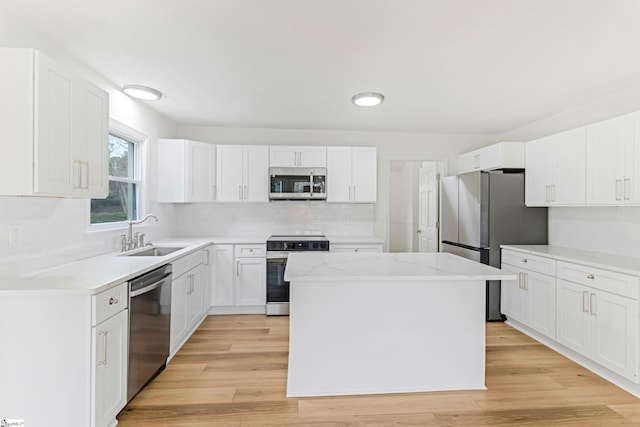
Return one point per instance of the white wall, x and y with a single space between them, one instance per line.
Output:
55 230
605 229
391 146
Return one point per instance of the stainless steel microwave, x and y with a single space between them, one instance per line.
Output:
297 183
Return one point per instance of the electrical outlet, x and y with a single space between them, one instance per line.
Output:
15 236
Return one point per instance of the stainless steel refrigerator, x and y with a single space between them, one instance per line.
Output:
483 210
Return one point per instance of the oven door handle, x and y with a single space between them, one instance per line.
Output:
277 255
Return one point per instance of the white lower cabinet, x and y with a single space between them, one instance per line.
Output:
109 360
64 357
530 300
240 279
593 311
599 325
188 306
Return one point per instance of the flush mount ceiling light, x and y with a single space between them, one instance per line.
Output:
367 99
142 92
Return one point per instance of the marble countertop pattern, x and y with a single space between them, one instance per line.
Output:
318 267
605 261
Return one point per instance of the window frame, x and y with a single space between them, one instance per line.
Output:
139 141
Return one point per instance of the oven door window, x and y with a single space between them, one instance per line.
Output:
277 288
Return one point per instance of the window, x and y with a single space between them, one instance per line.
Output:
124 183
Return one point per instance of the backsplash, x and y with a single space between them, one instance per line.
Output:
53 231
283 217
614 230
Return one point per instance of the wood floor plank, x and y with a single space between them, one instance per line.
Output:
233 373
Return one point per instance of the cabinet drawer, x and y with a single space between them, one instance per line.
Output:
364 247
610 281
252 251
107 303
186 263
529 262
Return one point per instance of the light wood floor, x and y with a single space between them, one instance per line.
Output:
233 370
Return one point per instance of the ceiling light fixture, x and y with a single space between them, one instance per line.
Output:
142 92
367 99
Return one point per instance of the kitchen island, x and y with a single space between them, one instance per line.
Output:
365 323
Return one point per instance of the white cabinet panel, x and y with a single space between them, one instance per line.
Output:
251 287
242 173
223 290
297 156
556 169
497 156
186 171
110 364
351 174
573 327
55 124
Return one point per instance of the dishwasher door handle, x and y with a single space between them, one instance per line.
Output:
149 288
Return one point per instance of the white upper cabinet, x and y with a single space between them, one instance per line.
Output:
186 171
351 174
503 155
242 173
613 161
53 129
284 156
555 168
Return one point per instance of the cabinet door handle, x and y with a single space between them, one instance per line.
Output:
520 280
104 345
354 193
237 268
77 165
618 189
526 281
592 309
546 195
627 188
206 259
584 306
239 192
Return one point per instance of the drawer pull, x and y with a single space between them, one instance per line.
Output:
525 260
113 300
591 276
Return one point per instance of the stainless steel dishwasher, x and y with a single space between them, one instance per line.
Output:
149 327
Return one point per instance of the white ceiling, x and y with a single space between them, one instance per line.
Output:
445 66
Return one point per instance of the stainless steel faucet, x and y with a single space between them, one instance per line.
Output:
131 240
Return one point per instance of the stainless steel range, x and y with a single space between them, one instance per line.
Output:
278 249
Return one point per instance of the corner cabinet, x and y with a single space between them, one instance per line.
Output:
613 161
242 173
351 174
555 168
186 171
54 128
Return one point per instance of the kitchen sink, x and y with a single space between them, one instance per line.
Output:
155 251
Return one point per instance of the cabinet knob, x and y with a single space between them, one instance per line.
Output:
113 301
525 260
591 276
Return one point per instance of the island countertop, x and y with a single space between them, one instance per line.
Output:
314 267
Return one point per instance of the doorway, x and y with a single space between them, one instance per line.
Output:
413 206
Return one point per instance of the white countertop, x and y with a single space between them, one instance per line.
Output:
621 264
314 267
